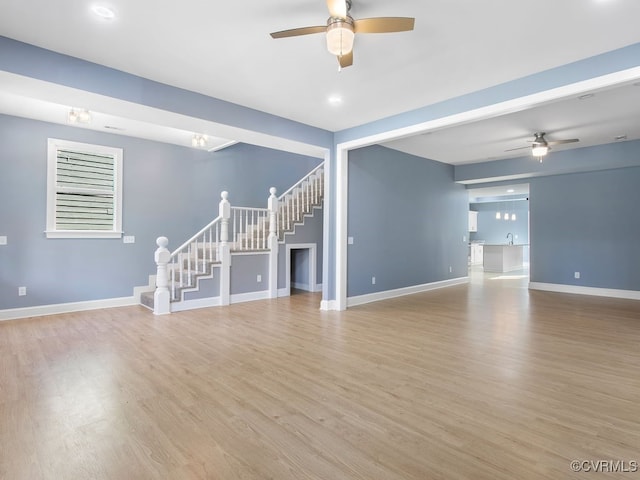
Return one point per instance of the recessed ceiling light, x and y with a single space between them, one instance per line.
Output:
585 96
511 190
103 12
335 100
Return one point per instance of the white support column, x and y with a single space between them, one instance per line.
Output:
162 296
272 206
224 251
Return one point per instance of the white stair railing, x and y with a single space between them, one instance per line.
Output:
249 227
193 257
300 199
235 229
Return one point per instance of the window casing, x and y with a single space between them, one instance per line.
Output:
84 190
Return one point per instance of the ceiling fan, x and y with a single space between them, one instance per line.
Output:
341 29
540 146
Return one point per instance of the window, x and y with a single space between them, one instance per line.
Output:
84 190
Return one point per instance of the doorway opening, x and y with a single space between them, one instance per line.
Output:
301 268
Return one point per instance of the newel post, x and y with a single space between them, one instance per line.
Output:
272 206
224 251
162 296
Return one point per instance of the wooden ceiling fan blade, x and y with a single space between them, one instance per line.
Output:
337 8
384 25
560 142
346 60
296 32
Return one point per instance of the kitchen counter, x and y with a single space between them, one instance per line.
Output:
503 258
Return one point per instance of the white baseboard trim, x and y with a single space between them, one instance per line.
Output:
400 292
249 296
328 305
215 301
42 310
304 286
283 292
301 286
578 290
195 304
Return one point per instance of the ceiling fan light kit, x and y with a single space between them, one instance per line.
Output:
340 36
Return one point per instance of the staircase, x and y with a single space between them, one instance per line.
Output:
236 230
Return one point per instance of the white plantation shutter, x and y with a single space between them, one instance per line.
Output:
84 190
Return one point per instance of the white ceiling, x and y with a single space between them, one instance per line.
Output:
223 49
594 118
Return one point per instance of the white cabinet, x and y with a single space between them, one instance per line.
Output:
473 221
476 253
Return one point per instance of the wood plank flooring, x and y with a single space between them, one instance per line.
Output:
481 381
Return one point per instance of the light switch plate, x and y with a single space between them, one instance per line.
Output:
3 240
350 240
129 239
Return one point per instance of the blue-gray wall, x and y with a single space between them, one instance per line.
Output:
408 219
168 190
492 230
587 223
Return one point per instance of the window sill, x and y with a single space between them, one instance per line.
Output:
82 234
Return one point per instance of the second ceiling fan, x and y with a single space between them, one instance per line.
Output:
540 146
341 29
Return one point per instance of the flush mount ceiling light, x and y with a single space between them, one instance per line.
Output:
199 141
103 12
335 100
79 116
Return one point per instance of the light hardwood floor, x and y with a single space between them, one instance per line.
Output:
482 381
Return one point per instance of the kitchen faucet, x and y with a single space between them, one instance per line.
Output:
511 242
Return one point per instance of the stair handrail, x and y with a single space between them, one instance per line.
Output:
193 238
299 182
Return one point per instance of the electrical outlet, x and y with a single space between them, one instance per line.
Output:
576 275
450 269
22 291
259 278
464 238
129 239
3 240
350 240
373 280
